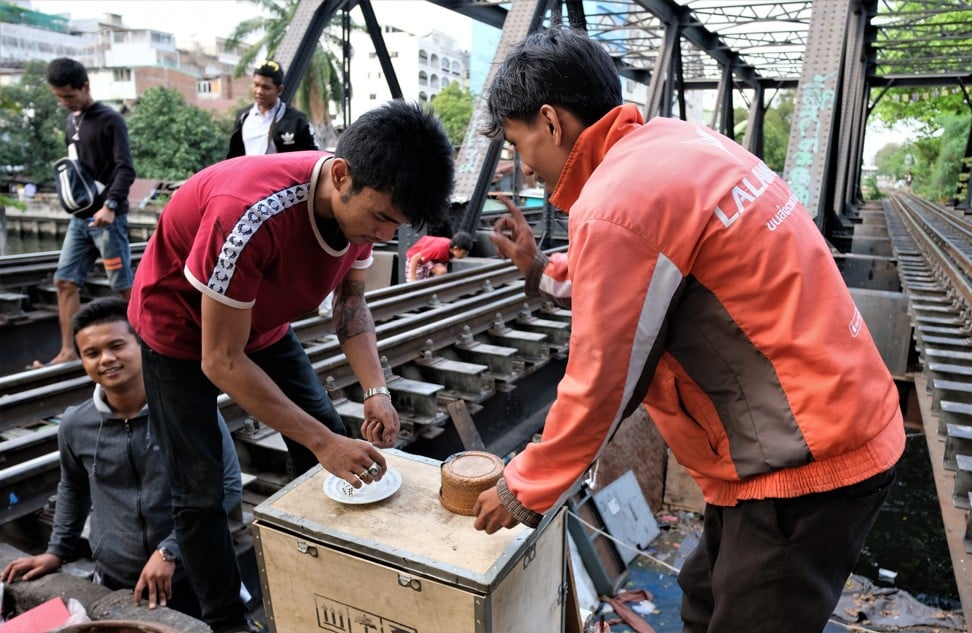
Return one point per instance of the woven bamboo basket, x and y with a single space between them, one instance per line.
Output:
464 476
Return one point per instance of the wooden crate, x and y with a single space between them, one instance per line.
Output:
404 564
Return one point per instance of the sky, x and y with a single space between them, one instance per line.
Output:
877 136
205 19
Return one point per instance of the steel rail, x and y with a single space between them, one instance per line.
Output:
385 304
21 271
413 321
408 313
945 240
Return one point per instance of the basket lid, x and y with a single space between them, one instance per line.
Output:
464 476
470 466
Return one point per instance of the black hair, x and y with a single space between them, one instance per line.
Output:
103 310
273 70
402 149
462 240
65 71
560 67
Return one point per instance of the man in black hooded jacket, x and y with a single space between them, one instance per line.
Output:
269 126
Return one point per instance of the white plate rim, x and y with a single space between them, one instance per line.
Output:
392 476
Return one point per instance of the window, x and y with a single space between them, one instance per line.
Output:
121 74
204 87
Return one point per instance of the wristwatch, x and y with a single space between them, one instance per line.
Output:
167 555
112 204
376 391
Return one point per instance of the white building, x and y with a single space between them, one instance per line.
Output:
424 65
122 62
27 34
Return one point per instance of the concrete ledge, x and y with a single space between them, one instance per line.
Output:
100 602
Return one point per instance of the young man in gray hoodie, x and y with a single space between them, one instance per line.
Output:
111 466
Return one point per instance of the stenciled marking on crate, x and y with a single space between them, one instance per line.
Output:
338 617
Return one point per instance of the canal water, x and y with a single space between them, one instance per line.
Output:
17 245
909 537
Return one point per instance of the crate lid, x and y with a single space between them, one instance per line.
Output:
409 530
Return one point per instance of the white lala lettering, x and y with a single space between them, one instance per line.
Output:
745 193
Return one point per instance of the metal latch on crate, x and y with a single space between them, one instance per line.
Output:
305 548
529 555
408 581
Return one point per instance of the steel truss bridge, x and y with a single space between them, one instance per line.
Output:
472 364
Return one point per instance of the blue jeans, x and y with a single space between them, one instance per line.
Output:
182 411
84 244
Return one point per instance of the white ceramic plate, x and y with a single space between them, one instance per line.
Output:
343 492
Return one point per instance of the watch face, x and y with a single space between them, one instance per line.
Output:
111 204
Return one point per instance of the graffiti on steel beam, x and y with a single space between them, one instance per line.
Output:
816 98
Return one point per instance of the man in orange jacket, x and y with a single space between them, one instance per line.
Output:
701 289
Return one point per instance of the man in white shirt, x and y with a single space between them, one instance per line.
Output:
270 126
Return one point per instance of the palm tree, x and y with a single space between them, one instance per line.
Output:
322 83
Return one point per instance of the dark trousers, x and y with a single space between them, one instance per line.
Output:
778 565
182 411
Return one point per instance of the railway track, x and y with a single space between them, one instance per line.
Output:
456 347
32 269
933 248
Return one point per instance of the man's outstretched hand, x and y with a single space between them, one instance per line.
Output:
513 237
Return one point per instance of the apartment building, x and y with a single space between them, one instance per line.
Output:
122 62
424 64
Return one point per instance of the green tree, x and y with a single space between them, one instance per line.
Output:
31 127
454 107
320 88
890 161
934 157
944 174
170 138
776 129
940 114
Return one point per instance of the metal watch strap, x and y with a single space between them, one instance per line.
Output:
374 391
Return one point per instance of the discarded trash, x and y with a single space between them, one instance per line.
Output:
886 575
862 601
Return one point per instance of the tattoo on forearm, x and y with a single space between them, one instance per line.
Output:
351 314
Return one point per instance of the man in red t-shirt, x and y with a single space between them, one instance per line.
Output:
431 254
243 248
